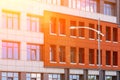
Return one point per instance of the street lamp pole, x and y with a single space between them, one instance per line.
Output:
99 51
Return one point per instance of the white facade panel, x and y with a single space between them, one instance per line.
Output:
111 73
93 72
35 7
76 71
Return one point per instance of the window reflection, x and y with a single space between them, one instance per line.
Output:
54 77
74 77
10 20
10 76
33 23
108 9
10 50
33 76
33 52
84 5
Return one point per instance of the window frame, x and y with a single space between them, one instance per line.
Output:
62 53
73 55
73 32
53 25
62 26
53 53
38 52
91 56
12 47
108 57
6 15
33 23
82 58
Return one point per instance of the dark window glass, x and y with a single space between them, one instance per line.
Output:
81 30
91 56
115 34
53 25
62 53
115 58
91 32
52 53
62 26
108 33
73 31
73 54
81 55
108 58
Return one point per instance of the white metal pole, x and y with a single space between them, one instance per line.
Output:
99 52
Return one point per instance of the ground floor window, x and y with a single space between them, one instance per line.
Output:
54 77
92 77
33 76
10 76
74 77
108 78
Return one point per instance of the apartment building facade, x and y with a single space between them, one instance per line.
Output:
38 44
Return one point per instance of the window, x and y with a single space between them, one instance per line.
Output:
115 34
108 78
73 54
63 2
33 23
53 25
91 56
74 77
10 50
83 5
97 58
52 2
108 9
73 3
108 33
91 32
115 58
81 55
87 5
33 52
93 6
10 20
62 53
108 57
33 76
81 30
10 76
62 26
54 77
92 77
73 31
52 53
78 4
100 31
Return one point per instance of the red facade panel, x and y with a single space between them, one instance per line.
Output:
79 42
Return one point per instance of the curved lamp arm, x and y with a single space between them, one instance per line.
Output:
73 27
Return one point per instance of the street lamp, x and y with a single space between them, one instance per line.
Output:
98 33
